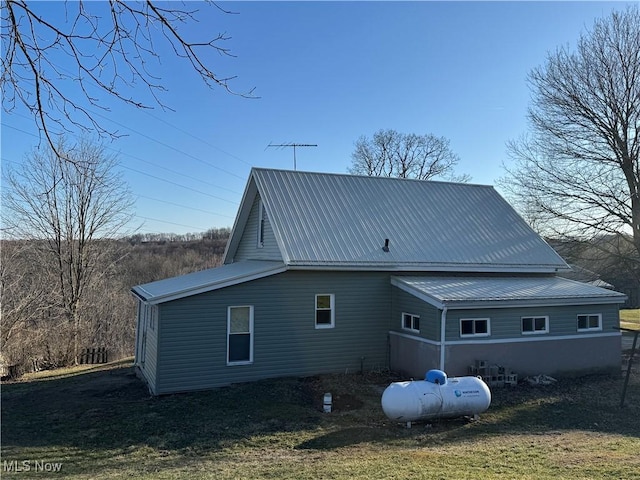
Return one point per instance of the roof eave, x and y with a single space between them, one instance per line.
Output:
528 302
204 288
423 267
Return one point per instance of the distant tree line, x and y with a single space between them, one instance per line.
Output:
35 333
211 234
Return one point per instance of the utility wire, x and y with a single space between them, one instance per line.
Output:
168 146
184 206
171 223
141 172
197 138
120 152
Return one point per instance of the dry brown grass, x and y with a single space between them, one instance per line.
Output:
102 424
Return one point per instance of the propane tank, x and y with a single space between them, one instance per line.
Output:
435 397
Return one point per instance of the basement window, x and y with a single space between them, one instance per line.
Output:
411 322
475 327
589 322
533 325
325 311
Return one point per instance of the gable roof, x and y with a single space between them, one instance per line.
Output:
205 280
339 221
484 292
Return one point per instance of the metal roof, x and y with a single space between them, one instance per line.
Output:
206 280
471 292
342 221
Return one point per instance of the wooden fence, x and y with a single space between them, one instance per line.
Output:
90 356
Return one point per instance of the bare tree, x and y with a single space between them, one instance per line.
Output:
392 154
68 210
577 173
111 49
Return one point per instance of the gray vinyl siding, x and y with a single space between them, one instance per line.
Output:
193 340
506 322
403 302
248 246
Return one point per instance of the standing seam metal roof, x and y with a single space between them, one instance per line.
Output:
206 280
337 220
465 290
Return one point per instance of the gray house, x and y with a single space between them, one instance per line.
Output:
337 273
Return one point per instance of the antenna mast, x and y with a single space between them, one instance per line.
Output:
294 145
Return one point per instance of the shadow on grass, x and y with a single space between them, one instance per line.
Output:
589 404
112 409
98 415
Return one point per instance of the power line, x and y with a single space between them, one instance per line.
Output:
167 145
209 164
178 185
197 138
170 223
142 172
184 206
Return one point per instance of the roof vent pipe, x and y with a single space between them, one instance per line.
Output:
386 245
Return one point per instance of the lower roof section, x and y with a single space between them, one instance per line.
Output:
206 280
455 292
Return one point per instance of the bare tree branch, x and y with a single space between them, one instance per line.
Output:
577 175
113 48
393 154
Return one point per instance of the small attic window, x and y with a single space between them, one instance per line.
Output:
260 224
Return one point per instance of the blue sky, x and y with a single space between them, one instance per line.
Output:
325 74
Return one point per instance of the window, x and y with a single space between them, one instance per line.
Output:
411 322
240 335
325 317
535 325
590 322
261 216
474 327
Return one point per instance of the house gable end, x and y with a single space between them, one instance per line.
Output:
253 223
258 241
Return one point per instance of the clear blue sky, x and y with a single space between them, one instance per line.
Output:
325 74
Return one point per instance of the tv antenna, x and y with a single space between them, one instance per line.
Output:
294 145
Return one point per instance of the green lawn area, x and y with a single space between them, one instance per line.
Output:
101 423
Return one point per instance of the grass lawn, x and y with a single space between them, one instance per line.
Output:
630 319
101 423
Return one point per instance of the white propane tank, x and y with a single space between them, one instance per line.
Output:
435 397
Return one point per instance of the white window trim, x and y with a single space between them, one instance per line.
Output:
261 220
534 331
468 335
590 329
413 316
333 311
242 362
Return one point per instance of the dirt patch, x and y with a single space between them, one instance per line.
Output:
349 392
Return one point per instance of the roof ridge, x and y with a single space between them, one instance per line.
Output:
382 178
